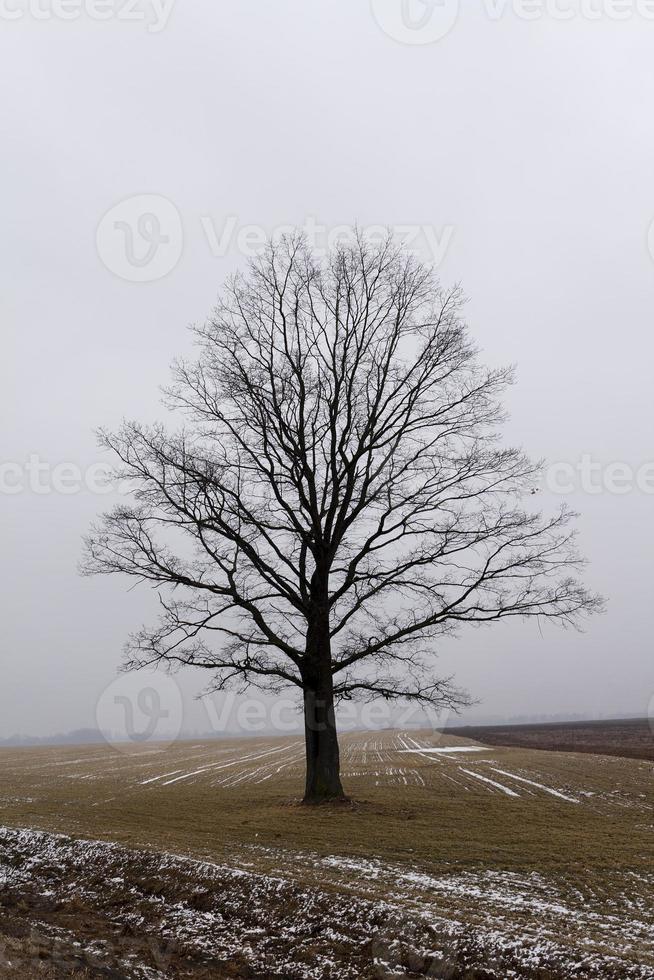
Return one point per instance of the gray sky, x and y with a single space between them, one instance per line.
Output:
525 147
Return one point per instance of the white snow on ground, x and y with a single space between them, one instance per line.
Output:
443 756
361 920
491 782
258 774
165 775
449 749
543 906
531 782
217 767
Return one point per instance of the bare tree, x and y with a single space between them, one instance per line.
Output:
341 485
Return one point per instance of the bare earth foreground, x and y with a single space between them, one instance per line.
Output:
457 860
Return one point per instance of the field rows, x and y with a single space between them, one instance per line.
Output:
425 760
536 857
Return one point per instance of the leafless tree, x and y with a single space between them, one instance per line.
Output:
342 488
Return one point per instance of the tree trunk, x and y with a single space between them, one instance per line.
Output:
323 780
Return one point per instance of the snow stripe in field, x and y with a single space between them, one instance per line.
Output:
247 775
484 779
226 765
164 775
450 748
419 750
546 789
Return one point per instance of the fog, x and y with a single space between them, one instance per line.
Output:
516 153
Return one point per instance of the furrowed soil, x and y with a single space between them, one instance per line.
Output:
455 860
631 738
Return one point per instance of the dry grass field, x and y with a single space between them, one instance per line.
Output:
455 860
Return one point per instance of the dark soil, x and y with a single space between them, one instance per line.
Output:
629 738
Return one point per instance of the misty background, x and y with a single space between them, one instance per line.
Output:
521 154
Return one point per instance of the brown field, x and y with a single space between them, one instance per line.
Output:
482 863
631 738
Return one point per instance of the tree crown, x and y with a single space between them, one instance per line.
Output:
340 463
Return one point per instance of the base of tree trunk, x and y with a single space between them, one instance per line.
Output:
341 800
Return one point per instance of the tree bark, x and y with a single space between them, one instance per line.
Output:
323 780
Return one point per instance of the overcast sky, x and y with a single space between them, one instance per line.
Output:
519 153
